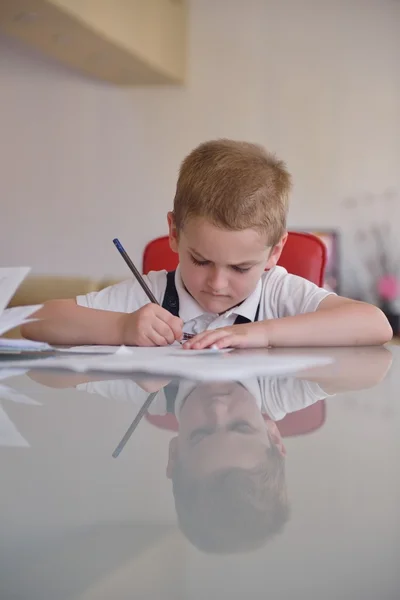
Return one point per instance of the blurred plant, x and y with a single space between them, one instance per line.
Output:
375 232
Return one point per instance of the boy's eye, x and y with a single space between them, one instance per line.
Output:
203 263
241 427
199 263
199 434
241 269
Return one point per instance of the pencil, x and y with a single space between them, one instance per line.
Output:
147 290
134 270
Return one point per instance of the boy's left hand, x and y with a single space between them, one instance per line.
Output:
249 335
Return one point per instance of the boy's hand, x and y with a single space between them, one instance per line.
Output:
249 335
151 325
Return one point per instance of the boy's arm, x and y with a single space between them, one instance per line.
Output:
336 322
64 322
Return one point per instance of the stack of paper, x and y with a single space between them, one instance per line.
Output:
10 279
172 361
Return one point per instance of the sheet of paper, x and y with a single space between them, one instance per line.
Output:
18 315
141 352
17 345
189 365
10 279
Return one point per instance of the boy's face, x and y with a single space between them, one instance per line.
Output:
221 426
220 268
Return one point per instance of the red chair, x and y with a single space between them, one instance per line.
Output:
304 254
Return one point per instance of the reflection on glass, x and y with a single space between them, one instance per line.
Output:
227 466
227 459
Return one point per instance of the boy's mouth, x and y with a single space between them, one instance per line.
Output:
213 295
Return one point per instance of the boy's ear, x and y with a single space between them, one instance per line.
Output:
173 234
172 456
276 252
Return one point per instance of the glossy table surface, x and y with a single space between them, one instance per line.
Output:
276 487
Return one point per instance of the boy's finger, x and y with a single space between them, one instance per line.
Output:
176 325
229 341
207 339
157 338
164 329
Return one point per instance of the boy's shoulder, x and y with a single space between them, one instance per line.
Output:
126 295
284 294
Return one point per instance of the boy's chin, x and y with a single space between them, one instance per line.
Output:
215 304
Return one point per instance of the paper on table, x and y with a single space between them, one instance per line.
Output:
10 279
142 351
17 345
13 317
187 364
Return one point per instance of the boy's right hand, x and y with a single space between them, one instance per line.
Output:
151 325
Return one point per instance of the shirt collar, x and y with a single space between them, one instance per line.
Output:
189 309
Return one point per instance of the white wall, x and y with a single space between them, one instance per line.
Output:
82 161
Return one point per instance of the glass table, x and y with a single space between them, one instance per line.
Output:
136 487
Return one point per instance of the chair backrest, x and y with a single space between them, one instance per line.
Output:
304 254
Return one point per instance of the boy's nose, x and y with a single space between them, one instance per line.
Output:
217 412
217 281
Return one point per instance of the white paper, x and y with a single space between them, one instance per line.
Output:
183 363
90 349
18 315
10 279
19 345
142 351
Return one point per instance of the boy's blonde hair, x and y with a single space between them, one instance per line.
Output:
232 510
234 185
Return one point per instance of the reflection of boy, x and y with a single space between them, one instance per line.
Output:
227 461
227 470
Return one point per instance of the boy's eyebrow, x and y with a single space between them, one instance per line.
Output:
247 263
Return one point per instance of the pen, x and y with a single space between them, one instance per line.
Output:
147 290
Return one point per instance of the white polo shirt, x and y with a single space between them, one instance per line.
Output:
278 293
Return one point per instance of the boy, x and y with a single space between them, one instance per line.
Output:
229 228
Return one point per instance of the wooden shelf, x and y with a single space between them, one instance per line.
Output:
126 42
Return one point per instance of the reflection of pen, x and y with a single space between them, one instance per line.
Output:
146 289
135 423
